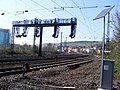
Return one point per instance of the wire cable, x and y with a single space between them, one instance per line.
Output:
88 18
69 12
34 10
11 13
44 8
83 18
64 2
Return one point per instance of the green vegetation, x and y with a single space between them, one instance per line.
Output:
25 49
115 46
18 49
4 50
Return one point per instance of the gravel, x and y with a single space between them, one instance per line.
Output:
84 77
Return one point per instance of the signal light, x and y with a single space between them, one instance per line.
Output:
18 36
24 34
73 31
55 36
18 32
37 32
56 31
71 35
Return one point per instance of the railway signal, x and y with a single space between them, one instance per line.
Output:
56 31
25 29
39 24
37 32
18 32
73 31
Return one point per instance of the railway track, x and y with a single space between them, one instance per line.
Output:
20 60
69 63
35 58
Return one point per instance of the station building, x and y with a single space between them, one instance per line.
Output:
4 37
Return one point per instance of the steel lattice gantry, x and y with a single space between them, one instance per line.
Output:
43 23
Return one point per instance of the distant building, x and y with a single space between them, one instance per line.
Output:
4 37
80 47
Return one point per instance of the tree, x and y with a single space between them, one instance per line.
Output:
115 45
27 49
116 40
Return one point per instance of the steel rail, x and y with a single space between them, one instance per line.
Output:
31 58
19 70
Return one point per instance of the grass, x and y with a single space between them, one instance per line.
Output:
117 69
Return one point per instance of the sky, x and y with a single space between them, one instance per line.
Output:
87 29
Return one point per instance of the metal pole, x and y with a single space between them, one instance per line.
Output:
102 61
65 41
108 32
40 44
61 43
34 41
12 41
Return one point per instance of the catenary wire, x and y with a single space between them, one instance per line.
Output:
68 12
84 19
88 18
45 8
11 14
30 10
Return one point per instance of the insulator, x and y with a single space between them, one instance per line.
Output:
26 10
2 13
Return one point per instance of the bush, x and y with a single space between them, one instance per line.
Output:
5 50
17 50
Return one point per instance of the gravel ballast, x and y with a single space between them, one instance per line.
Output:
84 77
